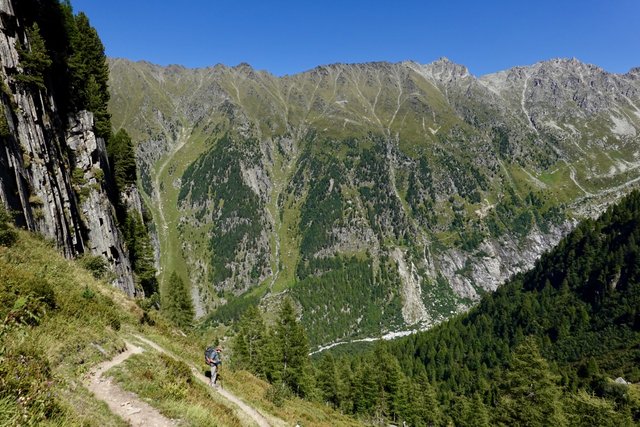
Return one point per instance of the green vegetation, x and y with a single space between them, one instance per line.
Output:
66 55
57 321
233 309
62 53
8 235
34 60
89 72
95 264
170 384
122 158
237 215
138 243
350 293
249 343
5 131
278 354
545 346
416 164
321 211
176 302
53 315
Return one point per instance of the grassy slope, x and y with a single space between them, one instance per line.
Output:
78 322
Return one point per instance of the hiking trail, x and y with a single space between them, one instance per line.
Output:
136 412
127 405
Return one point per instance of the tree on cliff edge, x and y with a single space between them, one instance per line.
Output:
34 59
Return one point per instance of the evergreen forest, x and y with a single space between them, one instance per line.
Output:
559 344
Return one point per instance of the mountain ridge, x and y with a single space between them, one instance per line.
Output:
428 184
440 60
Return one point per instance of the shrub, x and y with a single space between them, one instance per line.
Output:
113 320
95 264
8 235
278 394
5 130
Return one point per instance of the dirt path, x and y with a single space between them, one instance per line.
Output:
256 416
123 403
139 413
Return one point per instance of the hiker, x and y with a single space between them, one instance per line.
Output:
212 358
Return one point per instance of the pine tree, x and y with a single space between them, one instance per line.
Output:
423 408
530 395
366 393
289 352
249 343
176 302
588 411
122 159
392 382
327 381
34 60
89 73
472 412
141 253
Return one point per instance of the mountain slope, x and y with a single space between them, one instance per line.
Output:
560 342
409 188
58 323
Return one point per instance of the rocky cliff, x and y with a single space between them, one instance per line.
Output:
380 196
53 167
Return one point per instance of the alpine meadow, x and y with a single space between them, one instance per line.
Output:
370 243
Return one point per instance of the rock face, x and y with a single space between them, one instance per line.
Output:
96 210
380 196
52 168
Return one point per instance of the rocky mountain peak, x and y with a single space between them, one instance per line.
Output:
446 70
634 73
244 68
442 70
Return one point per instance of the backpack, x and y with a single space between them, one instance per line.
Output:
209 354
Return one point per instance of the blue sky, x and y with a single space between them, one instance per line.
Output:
286 37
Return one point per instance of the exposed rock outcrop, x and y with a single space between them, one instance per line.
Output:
97 212
52 168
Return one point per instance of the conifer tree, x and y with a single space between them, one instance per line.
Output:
89 73
249 343
34 60
473 412
176 302
141 253
392 382
289 352
366 393
327 381
423 408
530 395
122 159
589 411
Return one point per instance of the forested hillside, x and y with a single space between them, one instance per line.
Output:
545 348
410 188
